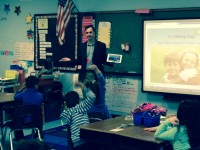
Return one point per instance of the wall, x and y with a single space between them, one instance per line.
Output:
113 5
13 28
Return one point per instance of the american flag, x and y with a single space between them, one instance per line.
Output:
63 17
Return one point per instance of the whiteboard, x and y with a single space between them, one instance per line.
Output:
121 93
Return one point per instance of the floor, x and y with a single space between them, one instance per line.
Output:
47 125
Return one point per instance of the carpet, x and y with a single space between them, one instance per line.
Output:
56 138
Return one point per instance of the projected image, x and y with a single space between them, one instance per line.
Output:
171 56
175 66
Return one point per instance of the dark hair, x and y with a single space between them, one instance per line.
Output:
32 144
189 115
91 82
90 26
31 81
71 99
57 86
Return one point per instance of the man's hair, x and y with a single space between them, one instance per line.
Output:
71 99
31 81
90 26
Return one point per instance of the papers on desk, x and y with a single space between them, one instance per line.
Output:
116 129
121 127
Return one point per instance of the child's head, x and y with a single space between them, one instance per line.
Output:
172 63
187 110
71 99
189 59
31 81
189 115
57 86
91 83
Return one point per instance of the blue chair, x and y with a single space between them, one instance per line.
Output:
24 117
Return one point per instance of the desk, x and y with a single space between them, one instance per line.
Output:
5 99
128 138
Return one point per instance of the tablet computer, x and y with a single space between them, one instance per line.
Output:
114 58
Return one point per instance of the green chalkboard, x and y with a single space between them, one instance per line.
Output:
128 27
124 28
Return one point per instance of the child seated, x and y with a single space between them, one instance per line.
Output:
76 112
183 131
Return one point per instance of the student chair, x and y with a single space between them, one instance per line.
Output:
24 117
10 80
79 145
1 147
70 143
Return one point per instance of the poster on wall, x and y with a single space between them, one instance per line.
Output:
121 93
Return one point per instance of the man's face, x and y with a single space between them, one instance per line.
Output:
89 33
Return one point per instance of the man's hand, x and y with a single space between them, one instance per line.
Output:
65 59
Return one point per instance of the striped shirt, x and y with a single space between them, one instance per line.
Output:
77 116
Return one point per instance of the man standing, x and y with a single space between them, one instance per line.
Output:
92 51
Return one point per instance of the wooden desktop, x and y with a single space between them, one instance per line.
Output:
128 136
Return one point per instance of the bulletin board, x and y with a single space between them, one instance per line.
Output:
121 93
46 44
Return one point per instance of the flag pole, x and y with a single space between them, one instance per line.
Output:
75 7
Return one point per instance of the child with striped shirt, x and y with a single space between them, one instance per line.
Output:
76 112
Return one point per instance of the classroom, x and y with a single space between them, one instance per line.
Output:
124 82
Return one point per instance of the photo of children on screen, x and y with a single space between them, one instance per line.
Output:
181 67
